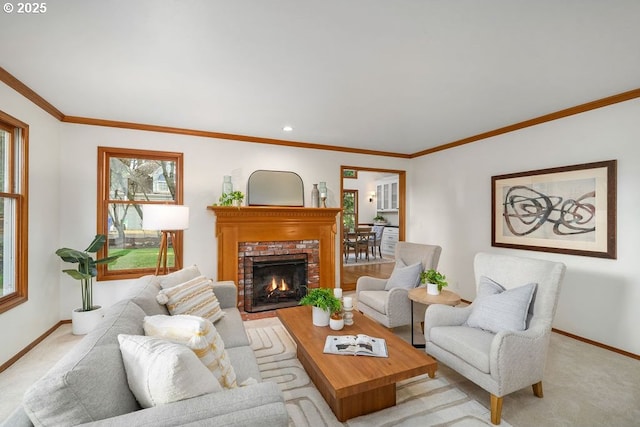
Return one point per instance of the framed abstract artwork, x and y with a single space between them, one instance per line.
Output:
569 210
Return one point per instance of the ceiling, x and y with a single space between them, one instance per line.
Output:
398 76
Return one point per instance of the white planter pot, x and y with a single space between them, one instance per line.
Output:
336 324
83 322
320 317
432 289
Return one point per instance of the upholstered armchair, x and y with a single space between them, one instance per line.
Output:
500 341
386 300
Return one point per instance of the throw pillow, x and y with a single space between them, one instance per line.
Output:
160 371
180 276
200 336
496 309
403 276
194 297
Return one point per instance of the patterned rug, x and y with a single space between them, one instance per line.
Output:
421 401
351 261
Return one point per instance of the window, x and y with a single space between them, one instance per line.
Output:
128 179
13 211
349 208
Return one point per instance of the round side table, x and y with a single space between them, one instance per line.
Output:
421 296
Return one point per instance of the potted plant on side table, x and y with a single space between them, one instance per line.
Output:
86 318
323 303
435 281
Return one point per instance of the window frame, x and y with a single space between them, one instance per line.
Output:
104 163
19 186
355 207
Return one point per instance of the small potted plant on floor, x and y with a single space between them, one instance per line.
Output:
86 318
435 281
323 303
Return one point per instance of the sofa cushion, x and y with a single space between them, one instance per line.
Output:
496 309
374 299
89 383
184 275
404 276
199 335
194 297
160 371
144 292
470 344
231 329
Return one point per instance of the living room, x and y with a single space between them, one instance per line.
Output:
448 194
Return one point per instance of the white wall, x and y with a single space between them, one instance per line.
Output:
450 204
206 161
23 324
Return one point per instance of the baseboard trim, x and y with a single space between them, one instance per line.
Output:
37 341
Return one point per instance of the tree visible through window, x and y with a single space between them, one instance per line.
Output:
13 211
349 208
128 179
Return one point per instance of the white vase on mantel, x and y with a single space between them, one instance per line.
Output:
432 289
320 317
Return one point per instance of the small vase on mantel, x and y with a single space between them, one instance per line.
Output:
315 196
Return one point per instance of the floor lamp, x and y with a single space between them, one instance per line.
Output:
168 219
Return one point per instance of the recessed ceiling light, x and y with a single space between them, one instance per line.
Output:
287 128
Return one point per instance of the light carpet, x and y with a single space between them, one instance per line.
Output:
421 401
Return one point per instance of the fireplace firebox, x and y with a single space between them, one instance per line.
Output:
274 281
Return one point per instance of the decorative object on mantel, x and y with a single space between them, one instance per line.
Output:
315 196
227 185
323 303
435 281
86 318
323 193
275 188
234 198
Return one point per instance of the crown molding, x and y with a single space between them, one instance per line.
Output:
25 91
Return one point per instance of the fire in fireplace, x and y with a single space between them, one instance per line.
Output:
274 281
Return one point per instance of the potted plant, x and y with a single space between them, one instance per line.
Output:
435 281
323 303
86 318
234 198
379 220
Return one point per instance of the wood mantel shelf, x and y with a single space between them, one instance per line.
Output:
274 223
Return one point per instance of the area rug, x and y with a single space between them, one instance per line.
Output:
421 401
351 261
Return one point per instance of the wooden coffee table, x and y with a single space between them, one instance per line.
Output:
354 385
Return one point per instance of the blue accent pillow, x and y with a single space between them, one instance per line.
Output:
498 309
404 276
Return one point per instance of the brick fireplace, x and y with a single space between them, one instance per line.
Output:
268 230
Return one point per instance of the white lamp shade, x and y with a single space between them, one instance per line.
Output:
165 217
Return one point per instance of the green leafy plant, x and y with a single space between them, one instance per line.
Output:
379 218
432 276
87 269
227 199
322 298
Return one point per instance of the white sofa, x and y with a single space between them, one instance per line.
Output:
88 386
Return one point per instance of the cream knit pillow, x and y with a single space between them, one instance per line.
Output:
194 297
160 371
200 336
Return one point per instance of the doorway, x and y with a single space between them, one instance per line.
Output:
367 193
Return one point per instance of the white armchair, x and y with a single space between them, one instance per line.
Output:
507 360
392 307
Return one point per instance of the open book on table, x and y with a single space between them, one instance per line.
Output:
355 345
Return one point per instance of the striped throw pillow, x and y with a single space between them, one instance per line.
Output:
194 297
200 336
